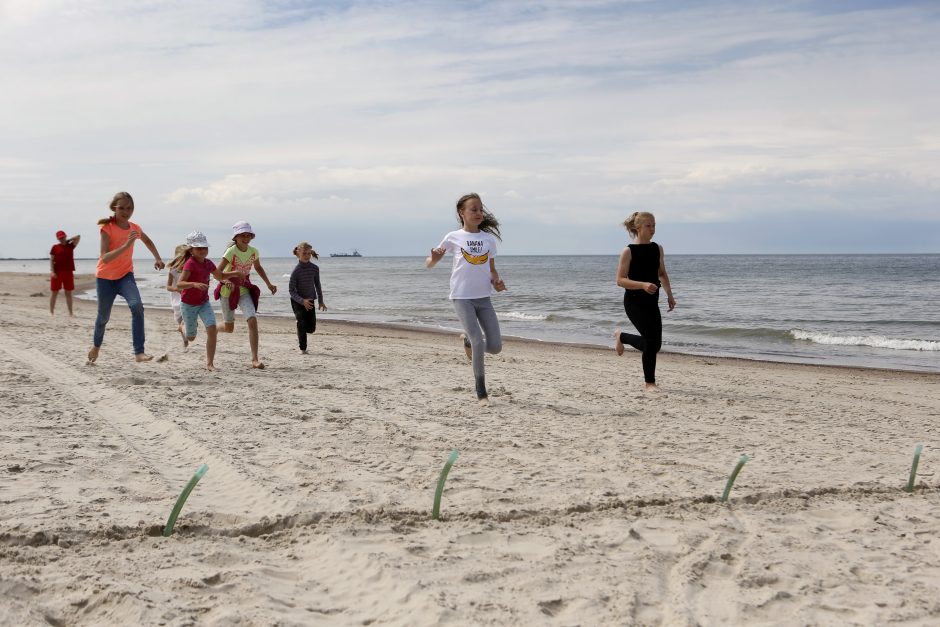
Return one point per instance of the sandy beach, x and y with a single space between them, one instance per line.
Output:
577 498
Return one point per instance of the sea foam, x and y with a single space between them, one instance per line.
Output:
875 341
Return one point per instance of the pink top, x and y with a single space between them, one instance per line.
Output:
198 273
123 263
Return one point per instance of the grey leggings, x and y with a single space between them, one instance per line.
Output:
475 313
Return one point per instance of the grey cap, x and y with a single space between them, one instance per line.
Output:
197 239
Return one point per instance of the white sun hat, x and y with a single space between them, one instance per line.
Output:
241 227
197 239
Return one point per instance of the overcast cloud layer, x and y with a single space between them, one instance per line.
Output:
746 127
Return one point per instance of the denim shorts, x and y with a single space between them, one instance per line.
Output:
244 303
191 312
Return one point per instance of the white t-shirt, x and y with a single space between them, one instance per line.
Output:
175 296
472 252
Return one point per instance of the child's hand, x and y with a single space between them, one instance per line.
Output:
322 306
273 288
159 265
308 304
437 254
499 285
201 286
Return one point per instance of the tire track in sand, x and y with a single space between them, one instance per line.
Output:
169 452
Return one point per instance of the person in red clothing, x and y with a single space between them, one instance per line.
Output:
62 268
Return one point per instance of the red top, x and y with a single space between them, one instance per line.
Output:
62 259
198 273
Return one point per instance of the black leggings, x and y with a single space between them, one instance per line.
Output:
306 322
648 321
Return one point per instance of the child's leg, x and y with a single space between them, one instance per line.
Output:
128 290
490 323
253 342
466 312
300 315
68 300
189 314
107 292
211 334
248 310
52 298
228 317
208 320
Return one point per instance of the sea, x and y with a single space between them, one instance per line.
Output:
872 311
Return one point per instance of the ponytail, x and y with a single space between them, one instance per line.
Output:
632 223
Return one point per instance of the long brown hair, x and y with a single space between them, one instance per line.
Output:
489 225
118 196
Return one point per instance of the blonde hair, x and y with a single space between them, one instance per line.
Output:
181 254
303 246
633 222
489 225
118 196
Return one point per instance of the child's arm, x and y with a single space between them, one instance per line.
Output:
157 261
109 255
225 276
169 284
319 292
52 265
436 255
624 281
183 284
664 279
497 282
264 277
74 240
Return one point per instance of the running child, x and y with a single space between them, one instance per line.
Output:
304 288
242 293
194 292
180 255
642 272
472 280
114 274
62 269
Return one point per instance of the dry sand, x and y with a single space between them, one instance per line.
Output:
577 499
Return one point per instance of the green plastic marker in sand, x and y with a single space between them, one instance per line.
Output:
910 482
436 511
734 475
168 530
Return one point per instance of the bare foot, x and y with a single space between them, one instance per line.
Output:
484 400
163 357
618 345
466 346
210 368
93 354
183 335
257 364
139 357
651 387
302 351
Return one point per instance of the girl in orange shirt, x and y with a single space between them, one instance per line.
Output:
115 273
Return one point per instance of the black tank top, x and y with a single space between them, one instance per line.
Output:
644 266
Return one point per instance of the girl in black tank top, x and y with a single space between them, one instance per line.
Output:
642 273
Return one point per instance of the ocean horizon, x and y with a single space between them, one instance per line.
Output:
863 310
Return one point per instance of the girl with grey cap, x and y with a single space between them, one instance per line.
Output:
193 286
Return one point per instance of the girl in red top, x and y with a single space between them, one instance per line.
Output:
115 273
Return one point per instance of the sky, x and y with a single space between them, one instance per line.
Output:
757 127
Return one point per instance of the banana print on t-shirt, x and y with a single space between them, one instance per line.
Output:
475 259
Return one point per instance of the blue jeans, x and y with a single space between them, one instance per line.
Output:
108 290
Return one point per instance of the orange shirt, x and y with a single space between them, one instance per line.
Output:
123 263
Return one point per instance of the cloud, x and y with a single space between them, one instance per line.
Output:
701 112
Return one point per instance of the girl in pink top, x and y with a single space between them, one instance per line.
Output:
115 273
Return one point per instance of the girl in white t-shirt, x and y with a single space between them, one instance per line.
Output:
472 280
173 276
